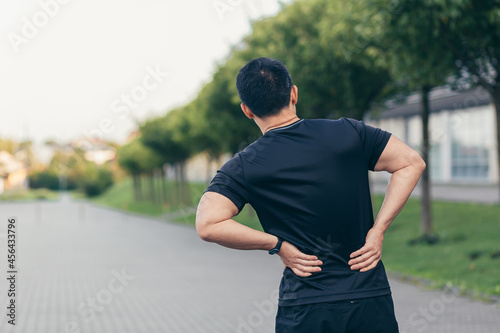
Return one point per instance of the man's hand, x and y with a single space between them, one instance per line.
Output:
369 255
300 263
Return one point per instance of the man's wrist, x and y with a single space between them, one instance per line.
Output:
380 227
276 248
271 243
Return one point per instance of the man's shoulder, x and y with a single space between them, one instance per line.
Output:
232 166
341 126
327 123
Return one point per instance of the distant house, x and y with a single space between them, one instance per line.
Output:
200 168
13 172
462 134
97 151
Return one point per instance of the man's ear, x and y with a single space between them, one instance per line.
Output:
247 111
294 95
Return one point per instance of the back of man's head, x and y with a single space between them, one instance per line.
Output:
264 86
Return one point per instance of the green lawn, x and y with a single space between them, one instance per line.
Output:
467 255
31 194
120 196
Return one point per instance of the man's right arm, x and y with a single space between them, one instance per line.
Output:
406 167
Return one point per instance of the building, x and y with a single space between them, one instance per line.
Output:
95 150
13 172
462 130
200 168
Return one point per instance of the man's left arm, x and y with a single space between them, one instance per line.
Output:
406 167
214 223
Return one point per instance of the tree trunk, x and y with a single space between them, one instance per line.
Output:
163 184
139 187
426 222
209 169
156 196
159 181
151 186
134 185
185 197
175 199
496 101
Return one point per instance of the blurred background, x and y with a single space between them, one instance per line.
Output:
132 106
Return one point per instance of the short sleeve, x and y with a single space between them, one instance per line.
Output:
373 139
230 182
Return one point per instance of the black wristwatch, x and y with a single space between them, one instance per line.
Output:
276 249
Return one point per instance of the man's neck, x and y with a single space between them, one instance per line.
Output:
280 120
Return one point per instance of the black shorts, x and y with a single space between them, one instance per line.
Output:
370 315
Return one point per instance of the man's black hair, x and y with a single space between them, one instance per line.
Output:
264 86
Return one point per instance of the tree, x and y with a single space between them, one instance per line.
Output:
416 56
225 124
471 31
336 77
138 160
305 36
168 137
69 165
95 179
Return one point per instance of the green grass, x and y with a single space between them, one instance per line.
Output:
31 194
467 255
120 196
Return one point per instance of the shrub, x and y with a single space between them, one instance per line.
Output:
44 179
95 180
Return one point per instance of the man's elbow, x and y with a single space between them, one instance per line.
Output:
418 162
203 230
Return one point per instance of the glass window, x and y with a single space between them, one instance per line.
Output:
435 159
471 133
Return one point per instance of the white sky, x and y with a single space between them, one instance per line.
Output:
66 76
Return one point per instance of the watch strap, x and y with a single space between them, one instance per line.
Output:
276 249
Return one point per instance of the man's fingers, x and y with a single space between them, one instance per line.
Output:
310 262
372 266
304 256
300 263
298 272
308 269
361 258
296 252
366 263
359 252
305 270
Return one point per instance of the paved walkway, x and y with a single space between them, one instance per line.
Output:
83 269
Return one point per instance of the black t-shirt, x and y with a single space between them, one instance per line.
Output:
308 183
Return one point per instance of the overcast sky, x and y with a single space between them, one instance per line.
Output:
78 68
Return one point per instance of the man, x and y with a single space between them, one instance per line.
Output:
308 182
